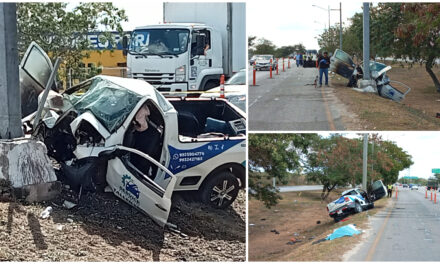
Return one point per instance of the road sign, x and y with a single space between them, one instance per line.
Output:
435 170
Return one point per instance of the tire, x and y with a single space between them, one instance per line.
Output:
338 218
371 206
220 190
357 208
210 84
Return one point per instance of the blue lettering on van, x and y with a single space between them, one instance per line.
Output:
182 159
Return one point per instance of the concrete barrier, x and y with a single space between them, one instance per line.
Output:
25 164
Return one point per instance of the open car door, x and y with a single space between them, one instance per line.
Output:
136 188
378 190
35 71
342 64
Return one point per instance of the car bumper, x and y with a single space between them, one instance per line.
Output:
262 66
343 210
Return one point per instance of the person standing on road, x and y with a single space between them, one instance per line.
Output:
297 60
323 65
390 190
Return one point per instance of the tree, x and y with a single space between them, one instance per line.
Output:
284 51
251 43
299 48
276 155
419 30
398 160
334 161
329 39
264 46
338 160
62 32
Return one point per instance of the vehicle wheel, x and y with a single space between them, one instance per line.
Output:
337 219
371 206
357 208
220 190
210 84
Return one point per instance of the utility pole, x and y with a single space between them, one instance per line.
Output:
340 25
340 20
10 99
328 19
372 159
366 43
364 162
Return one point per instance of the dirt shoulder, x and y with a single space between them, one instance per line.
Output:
300 216
104 228
416 112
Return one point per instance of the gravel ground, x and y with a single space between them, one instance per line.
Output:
104 228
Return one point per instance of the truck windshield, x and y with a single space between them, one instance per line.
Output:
159 41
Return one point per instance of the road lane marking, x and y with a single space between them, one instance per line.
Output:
327 111
378 236
256 100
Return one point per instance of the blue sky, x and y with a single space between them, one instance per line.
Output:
292 22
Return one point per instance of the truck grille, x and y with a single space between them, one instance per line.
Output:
155 78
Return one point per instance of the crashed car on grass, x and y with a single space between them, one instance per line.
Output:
355 201
342 64
125 134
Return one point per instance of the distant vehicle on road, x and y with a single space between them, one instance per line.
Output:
432 184
252 60
414 187
355 201
405 186
235 90
263 62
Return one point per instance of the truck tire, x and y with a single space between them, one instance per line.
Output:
210 84
220 190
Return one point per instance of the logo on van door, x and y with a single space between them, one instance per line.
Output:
130 186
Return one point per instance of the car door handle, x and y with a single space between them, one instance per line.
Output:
160 207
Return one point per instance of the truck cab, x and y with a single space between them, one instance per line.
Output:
176 57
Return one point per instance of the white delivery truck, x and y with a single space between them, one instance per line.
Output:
196 44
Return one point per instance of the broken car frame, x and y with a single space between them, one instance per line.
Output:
342 64
355 201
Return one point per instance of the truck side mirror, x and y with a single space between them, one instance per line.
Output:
124 45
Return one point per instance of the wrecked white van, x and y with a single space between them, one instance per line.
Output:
123 133
355 201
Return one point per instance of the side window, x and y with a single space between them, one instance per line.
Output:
38 67
146 135
353 192
200 42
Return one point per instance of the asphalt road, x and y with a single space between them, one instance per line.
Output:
407 231
290 101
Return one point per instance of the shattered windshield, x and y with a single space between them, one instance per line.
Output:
376 66
110 103
159 41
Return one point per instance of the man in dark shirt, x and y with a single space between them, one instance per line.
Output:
323 65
